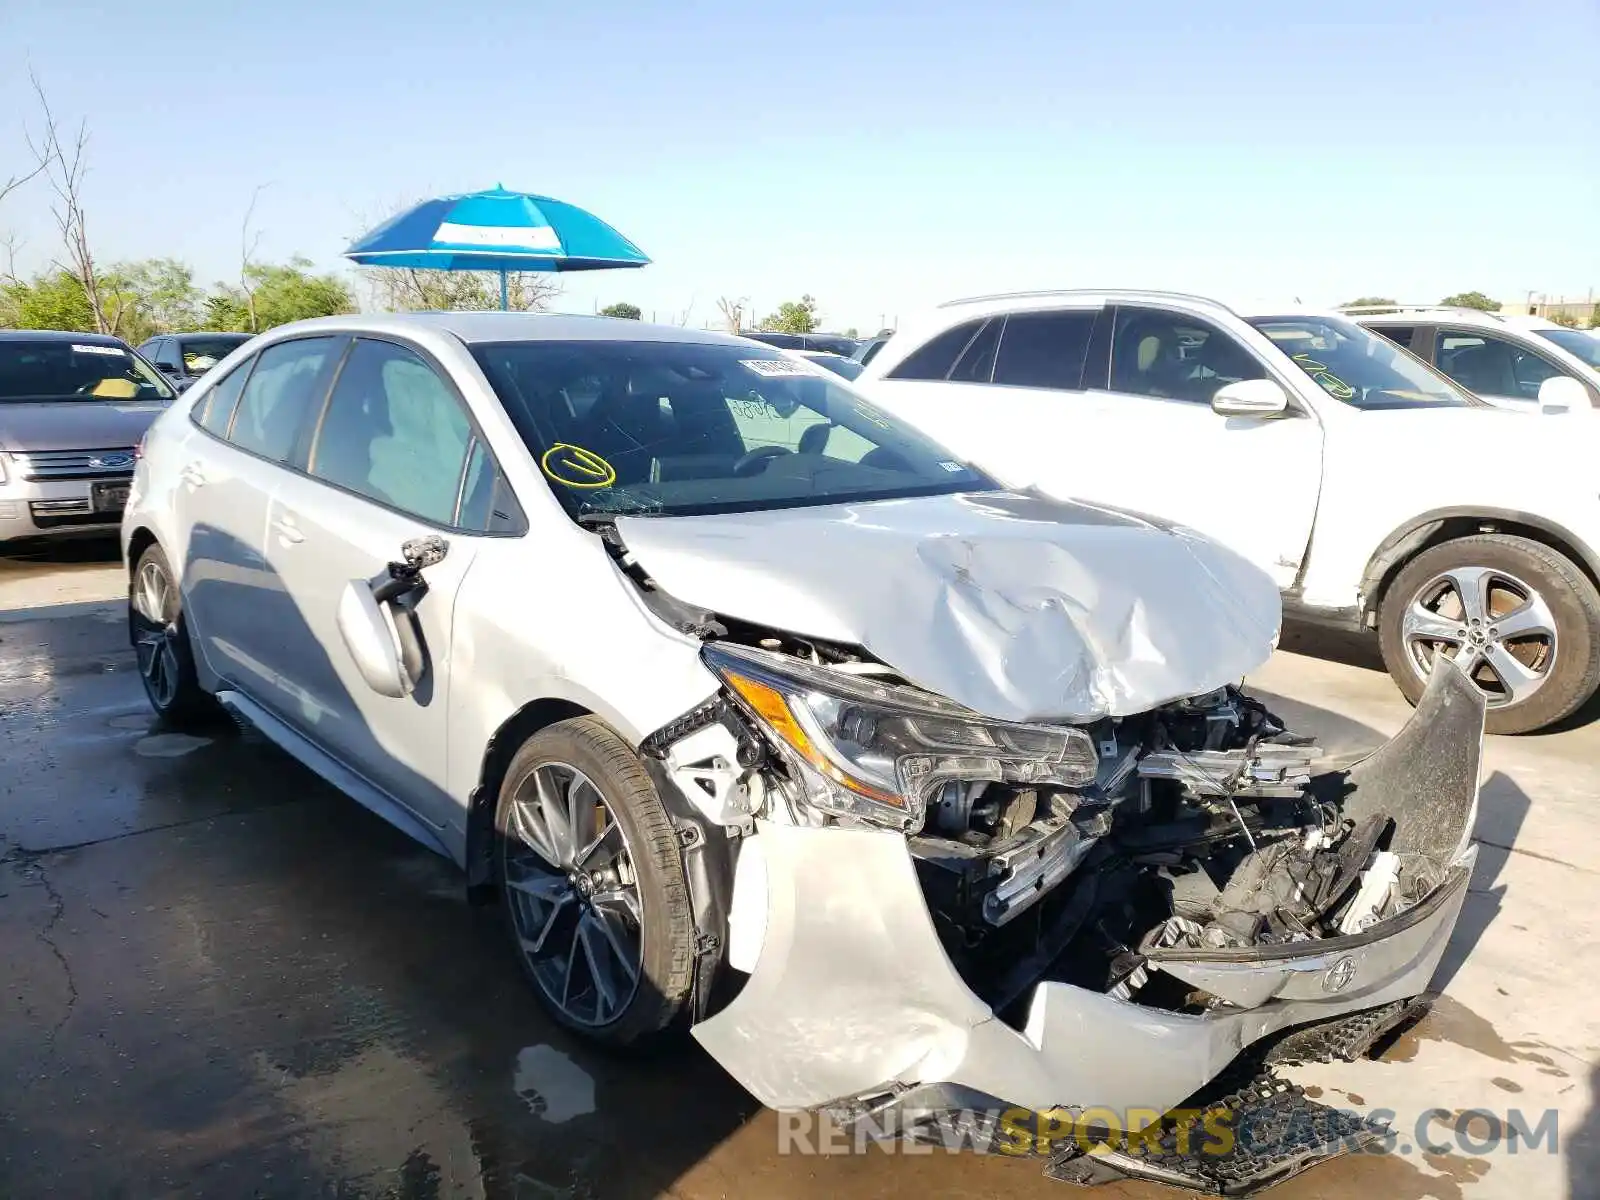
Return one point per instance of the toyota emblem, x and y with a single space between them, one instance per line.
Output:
1339 975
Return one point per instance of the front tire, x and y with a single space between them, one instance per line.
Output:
160 638
1522 619
590 869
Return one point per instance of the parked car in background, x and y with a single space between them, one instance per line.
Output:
846 368
1350 471
1519 362
869 347
711 666
73 407
832 343
185 357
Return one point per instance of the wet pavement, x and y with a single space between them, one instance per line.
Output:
222 978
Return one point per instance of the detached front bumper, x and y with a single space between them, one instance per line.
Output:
853 1001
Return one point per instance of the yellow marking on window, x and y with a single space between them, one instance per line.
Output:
575 467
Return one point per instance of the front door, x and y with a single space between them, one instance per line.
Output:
1496 368
1159 447
395 457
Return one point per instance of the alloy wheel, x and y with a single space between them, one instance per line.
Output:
573 894
1491 624
155 634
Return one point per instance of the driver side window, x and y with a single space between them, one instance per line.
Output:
1492 366
1173 356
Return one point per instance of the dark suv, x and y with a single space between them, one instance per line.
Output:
184 357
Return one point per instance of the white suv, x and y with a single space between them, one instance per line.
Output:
1508 360
1374 491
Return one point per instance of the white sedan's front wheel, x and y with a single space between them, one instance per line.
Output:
161 643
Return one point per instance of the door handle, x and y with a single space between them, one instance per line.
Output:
288 532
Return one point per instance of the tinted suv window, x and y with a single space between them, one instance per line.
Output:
396 432
288 380
935 359
1401 335
976 364
215 410
1173 356
1044 350
1492 366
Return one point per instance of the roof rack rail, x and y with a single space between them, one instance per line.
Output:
1041 293
1398 308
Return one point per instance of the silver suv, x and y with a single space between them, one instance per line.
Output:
73 407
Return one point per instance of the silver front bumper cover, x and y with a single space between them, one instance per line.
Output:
852 995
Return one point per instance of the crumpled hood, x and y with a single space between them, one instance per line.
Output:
75 424
1016 606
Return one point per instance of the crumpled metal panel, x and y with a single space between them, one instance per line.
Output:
1018 607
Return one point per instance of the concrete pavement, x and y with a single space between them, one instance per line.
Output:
224 979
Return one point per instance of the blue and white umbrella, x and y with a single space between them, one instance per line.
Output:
496 230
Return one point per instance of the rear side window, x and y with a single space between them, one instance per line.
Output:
289 379
976 364
215 411
1044 350
394 431
1400 335
936 358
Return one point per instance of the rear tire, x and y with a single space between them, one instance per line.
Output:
1525 618
591 872
160 638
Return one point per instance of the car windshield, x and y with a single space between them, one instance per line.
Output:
60 369
201 354
1357 367
1575 341
674 428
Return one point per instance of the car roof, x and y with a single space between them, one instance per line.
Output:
480 327
1093 297
61 335
1412 314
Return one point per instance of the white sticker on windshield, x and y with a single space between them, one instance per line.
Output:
774 368
954 468
113 351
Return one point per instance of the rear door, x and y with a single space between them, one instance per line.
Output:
394 456
1007 393
1158 447
250 426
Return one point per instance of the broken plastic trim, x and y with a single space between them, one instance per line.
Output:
852 994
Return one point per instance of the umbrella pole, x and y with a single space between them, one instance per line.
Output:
505 293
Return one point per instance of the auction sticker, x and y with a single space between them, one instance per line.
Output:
775 368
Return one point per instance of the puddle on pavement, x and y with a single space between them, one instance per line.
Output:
1453 1022
132 721
169 745
554 1088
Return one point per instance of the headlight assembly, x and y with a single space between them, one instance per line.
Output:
880 752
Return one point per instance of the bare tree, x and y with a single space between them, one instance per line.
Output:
247 253
407 289
66 168
732 312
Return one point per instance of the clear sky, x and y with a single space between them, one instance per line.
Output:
881 156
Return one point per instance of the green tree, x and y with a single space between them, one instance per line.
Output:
53 300
793 316
282 292
1594 318
1371 302
628 312
1472 300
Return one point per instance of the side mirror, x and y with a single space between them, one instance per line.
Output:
375 645
1562 394
1250 398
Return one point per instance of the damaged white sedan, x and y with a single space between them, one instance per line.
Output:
910 795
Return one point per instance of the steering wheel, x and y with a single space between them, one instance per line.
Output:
748 464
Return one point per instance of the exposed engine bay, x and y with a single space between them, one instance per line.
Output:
1195 826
